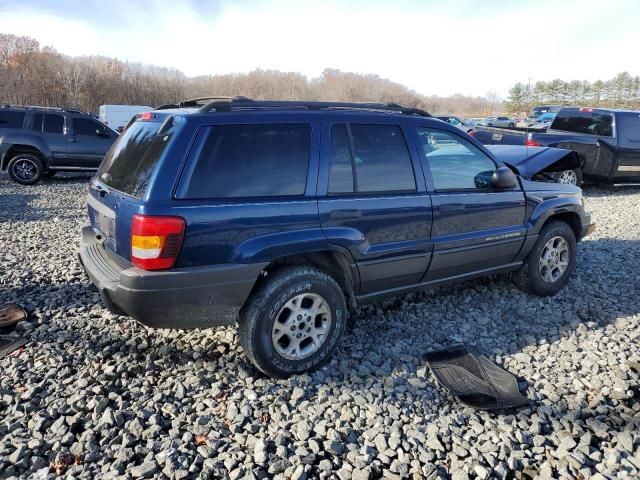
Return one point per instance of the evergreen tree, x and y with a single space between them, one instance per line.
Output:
517 99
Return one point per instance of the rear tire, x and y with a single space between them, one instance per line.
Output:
25 168
511 125
570 177
294 322
547 268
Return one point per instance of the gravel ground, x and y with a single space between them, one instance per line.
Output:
94 395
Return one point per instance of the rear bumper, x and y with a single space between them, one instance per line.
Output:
184 298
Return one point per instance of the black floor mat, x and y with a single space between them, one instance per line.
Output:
10 344
475 380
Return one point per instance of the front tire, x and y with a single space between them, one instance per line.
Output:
25 169
294 322
547 268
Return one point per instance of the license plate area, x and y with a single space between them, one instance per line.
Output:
106 225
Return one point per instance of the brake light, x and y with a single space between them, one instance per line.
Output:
156 241
530 142
472 133
146 116
585 109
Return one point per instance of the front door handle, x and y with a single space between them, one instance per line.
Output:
345 214
73 140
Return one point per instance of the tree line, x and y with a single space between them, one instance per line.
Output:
622 91
35 75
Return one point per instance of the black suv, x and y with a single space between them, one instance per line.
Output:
281 215
40 141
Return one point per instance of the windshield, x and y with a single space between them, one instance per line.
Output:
133 158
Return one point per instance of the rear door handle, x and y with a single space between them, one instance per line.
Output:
452 207
345 214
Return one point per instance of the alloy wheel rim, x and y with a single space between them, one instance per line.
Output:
568 177
554 259
25 169
302 326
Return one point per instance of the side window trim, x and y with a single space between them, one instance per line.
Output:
354 170
427 167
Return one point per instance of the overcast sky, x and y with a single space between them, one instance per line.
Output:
434 47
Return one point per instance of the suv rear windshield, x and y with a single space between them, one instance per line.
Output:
11 119
133 158
591 123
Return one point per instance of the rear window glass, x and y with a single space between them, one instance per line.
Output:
369 159
11 119
591 123
53 123
133 158
630 127
266 160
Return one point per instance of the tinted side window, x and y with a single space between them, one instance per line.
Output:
53 123
372 159
252 161
84 126
629 127
592 123
454 163
36 122
11 119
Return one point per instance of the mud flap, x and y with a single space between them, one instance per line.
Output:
474 379
10 344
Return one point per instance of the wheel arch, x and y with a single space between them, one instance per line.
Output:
570 218
333 262
17 149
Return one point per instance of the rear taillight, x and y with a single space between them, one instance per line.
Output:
156 241
530 142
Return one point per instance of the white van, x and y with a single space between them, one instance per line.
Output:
116 116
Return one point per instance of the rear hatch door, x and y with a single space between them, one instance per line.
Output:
119 189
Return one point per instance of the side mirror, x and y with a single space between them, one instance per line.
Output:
504 179
102 132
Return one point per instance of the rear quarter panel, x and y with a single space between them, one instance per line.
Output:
239 230
9 138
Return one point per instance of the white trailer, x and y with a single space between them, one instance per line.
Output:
116 116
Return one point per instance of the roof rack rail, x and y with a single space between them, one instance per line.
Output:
52 109
242 103
199 102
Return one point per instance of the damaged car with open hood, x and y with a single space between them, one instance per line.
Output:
282 217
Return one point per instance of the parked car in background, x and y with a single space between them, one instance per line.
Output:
475 121
607 142
40 141
500 122
118 116
282 216
458 123
543 109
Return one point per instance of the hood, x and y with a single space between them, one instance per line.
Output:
530 161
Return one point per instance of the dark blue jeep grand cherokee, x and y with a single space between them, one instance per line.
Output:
281 216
